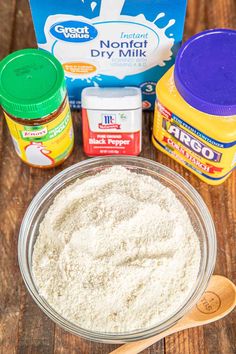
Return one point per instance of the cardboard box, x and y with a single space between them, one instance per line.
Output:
111 43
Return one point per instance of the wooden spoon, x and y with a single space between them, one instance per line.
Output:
218 300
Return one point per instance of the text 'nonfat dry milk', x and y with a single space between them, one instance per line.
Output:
106 43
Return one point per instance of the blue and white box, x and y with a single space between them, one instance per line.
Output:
110 43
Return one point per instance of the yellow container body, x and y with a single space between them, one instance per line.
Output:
45 145
203 143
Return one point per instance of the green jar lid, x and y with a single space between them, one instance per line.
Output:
32 84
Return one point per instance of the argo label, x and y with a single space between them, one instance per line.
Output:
192 143
46 144
191 147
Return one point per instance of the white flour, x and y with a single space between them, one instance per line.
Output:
116 252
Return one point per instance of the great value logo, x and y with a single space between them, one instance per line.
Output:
73 31
193 143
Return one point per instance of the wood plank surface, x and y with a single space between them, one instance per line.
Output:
23 327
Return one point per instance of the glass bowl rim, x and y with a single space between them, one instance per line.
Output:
102 162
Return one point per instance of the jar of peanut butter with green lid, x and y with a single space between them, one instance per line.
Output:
34 100
195 115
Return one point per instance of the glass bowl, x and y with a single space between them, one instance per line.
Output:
195 206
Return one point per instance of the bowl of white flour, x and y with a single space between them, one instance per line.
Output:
117 249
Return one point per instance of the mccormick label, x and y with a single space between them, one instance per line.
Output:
112 132
211 159
43 145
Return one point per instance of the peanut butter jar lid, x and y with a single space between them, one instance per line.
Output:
205 72
32 84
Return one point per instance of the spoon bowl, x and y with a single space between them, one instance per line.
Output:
218 300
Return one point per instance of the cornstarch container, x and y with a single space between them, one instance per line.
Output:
112 121
195 115
34 100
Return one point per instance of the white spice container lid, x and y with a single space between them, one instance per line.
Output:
112 98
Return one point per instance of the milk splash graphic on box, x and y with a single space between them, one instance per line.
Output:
110 43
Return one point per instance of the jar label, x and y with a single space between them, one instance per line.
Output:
200 153
43 145
112 132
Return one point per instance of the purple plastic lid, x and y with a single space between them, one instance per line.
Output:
205 72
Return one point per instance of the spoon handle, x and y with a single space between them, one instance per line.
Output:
137 347
222 301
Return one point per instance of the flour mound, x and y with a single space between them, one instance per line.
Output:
116 252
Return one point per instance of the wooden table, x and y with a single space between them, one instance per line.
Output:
23 326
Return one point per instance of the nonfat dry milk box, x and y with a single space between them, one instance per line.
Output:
106 43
